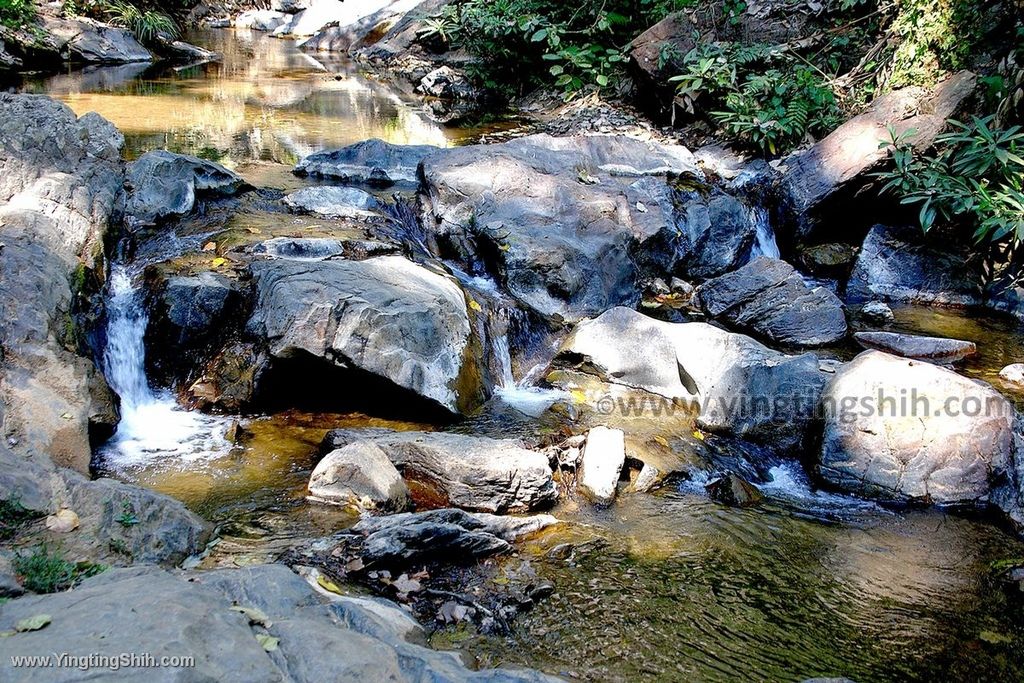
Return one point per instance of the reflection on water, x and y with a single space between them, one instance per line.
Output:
674 587
265 100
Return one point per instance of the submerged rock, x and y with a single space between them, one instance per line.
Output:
769 298
560 221
161 185
897 264
359 474
333 202
731 489
905 430
741 387
934 349
386 316
604 455
373 162
471 472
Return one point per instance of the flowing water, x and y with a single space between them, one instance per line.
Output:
661 587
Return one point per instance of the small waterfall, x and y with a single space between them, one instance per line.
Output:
153 425
765 244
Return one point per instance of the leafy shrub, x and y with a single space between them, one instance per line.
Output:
17 13
532 42
974 177
46 571
932 36
757 95
146 24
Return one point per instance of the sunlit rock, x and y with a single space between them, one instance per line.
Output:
604 454
917 347
361 475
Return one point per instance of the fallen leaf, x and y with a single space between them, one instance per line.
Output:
62 521
475 306
697 434
993 638
403 584
355 565
210 246
255 616
328 585
33 623
662 440
268 642
219 261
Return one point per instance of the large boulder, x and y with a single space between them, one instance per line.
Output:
385 316
373 162
841 161
558 219
160 185
770 300
904 430
59 177
348 26
898 264
359 474
741 387
470 472
253 625
86 40
715 235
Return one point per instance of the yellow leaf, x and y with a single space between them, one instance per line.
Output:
475 306
662 440
697 434
219 261
578 396
328 585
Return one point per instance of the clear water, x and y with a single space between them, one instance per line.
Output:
662 587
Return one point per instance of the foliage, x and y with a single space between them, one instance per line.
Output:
17 13
932 36
975 176
146 24
128 518
46 571
532 42
758 95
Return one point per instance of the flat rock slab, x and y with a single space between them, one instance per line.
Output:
471 472
934 349
768 298
604 455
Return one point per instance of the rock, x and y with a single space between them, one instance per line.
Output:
59 176
734 491
933 349
204 616
358 20
448 84
834 259
718 236
7 60
563 221
161 185
333 202
373 162
86 40
877 313
658 52
289 6
179 50
63 521
770 299
470 472
189 310
261 20
603 457
904 430
301 248
900 265
450 535
742 388
385 316
845 157
9 585
1013 375
358 474
228 382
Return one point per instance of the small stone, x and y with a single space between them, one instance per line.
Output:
680 286
733 490
1013 375
877 313
63 521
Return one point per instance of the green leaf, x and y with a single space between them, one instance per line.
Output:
602 80
539 35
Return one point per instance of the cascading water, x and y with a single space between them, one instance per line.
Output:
153 426
764 244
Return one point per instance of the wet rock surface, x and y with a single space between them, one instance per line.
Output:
373 162
333 202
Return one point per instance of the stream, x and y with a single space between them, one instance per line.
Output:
665 586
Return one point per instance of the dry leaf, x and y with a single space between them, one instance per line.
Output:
62 521
33 623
